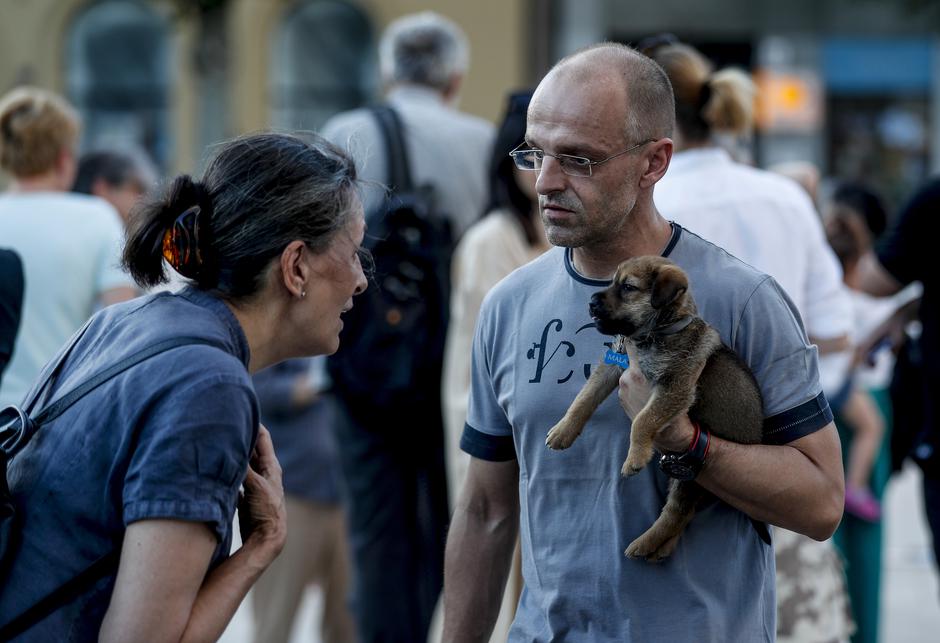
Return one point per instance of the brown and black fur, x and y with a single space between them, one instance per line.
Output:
689 371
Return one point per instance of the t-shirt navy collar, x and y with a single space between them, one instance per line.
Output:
603 283
216 305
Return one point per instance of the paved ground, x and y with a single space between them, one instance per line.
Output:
910 596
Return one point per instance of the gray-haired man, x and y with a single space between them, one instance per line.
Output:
397 485
423 58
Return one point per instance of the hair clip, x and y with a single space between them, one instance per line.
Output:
181 243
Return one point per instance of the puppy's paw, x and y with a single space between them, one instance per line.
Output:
629 470
561 436
637 459
651 547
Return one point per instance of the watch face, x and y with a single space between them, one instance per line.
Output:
674 468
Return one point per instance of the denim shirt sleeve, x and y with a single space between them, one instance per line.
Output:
192 454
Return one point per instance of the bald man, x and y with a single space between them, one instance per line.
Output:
598 134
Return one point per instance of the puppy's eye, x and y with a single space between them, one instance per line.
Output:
626 288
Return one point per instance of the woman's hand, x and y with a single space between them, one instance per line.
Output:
262 517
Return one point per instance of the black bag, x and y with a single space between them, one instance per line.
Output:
17 427
392 346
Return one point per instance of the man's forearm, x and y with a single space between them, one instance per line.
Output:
799 486
477 560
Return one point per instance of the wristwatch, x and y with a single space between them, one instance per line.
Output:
685 466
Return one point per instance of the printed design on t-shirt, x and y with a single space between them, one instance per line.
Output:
553 336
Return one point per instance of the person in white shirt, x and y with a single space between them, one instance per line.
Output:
69 244
769 222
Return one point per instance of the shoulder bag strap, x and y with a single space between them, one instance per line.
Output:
62 595
98 569
396 153
55 409
53 372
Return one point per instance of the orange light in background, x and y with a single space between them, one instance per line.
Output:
788 101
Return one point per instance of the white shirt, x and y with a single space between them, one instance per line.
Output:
446 148
767 221
70 245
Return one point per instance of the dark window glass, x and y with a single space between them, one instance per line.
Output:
323 63
118 69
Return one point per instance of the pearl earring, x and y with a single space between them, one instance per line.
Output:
303 293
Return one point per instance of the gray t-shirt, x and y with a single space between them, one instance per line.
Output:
535 346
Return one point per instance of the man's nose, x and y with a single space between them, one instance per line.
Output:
551 179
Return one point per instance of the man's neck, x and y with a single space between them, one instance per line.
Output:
48 182
643 237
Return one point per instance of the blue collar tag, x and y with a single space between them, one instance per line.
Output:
617 359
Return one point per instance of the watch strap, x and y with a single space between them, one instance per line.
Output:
685 466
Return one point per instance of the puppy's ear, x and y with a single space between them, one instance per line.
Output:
668 284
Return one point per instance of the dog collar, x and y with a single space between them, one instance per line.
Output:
674 327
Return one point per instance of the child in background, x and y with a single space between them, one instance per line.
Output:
848 236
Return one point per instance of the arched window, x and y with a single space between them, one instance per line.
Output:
323 63
118 71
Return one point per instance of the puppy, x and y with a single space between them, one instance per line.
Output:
649 308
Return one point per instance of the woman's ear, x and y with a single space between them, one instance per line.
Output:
294 269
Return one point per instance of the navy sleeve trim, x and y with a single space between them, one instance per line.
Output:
800 421
495 448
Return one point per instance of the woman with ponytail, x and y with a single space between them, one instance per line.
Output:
144 471
769 222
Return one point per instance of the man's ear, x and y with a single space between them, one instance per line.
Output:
294 269
452 90
66 167
659 155
101 188
668 284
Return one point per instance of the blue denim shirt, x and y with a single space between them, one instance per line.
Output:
169 438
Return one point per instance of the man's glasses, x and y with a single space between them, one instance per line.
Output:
531 159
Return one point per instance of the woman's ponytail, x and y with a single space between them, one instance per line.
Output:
173 227
707 102
730 104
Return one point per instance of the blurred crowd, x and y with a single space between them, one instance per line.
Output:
371 478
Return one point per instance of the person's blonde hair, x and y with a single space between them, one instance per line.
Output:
35 127
706 101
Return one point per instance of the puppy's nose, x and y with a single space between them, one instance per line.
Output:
596 304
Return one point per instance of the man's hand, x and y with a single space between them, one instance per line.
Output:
262 517
634 393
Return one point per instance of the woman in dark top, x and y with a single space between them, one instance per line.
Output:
151 462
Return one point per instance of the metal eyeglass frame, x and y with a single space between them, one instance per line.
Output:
581 163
